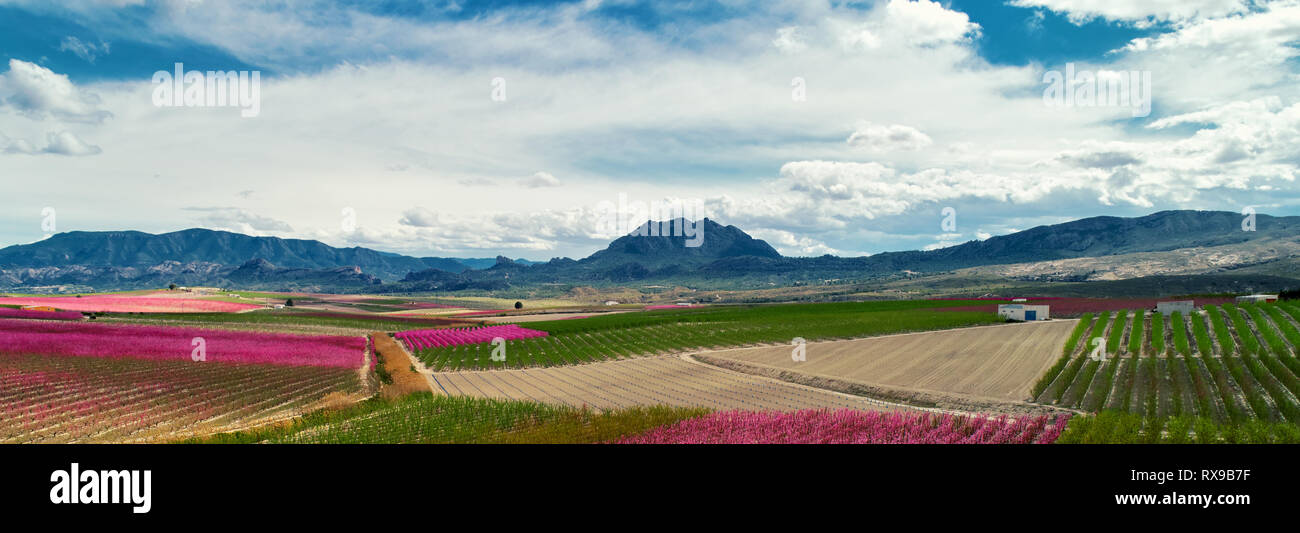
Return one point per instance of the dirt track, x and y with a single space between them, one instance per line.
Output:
996 362
664 380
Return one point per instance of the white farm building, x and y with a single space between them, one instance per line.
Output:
1185 307
1257 298
1023 313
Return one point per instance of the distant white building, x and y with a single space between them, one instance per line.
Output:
1024 313
1257 298
611 302
1185 307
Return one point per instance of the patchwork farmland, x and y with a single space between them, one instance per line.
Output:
936 371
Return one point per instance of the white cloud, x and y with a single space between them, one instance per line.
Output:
927 23
1260 37
38 92
1082 11
788 40
419 217
540 179
86 51
58 143
239 220
67 143
894 137
789 244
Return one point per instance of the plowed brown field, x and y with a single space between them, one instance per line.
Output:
663 380
996 362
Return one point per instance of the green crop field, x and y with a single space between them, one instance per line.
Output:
673 331
1116 427
1255 377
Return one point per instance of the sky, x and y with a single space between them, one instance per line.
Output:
481 128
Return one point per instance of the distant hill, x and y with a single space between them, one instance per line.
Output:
1100 236
726 257
669 245
135 249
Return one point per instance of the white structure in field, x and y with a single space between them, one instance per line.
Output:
1024 313
1257 298
1186 307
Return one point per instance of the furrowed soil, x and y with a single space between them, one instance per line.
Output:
658 380
994 365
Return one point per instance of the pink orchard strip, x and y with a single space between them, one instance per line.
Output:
7 312
132 304
175 343
428 338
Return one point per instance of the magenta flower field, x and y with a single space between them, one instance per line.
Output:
8 312
854 427
427 338
177 343
132 304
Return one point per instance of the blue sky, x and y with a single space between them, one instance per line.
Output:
378 127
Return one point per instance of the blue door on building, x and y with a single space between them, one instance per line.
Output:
1031 315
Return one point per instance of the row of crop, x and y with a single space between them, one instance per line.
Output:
1262 383
87 399
1116 427
177 343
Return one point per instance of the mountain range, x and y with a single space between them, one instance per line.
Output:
1097 248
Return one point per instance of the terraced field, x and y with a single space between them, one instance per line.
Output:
662 380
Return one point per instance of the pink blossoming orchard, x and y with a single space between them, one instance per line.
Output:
133 304
428 338
87 382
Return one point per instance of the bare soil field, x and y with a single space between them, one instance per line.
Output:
998 363
400 365
663 380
